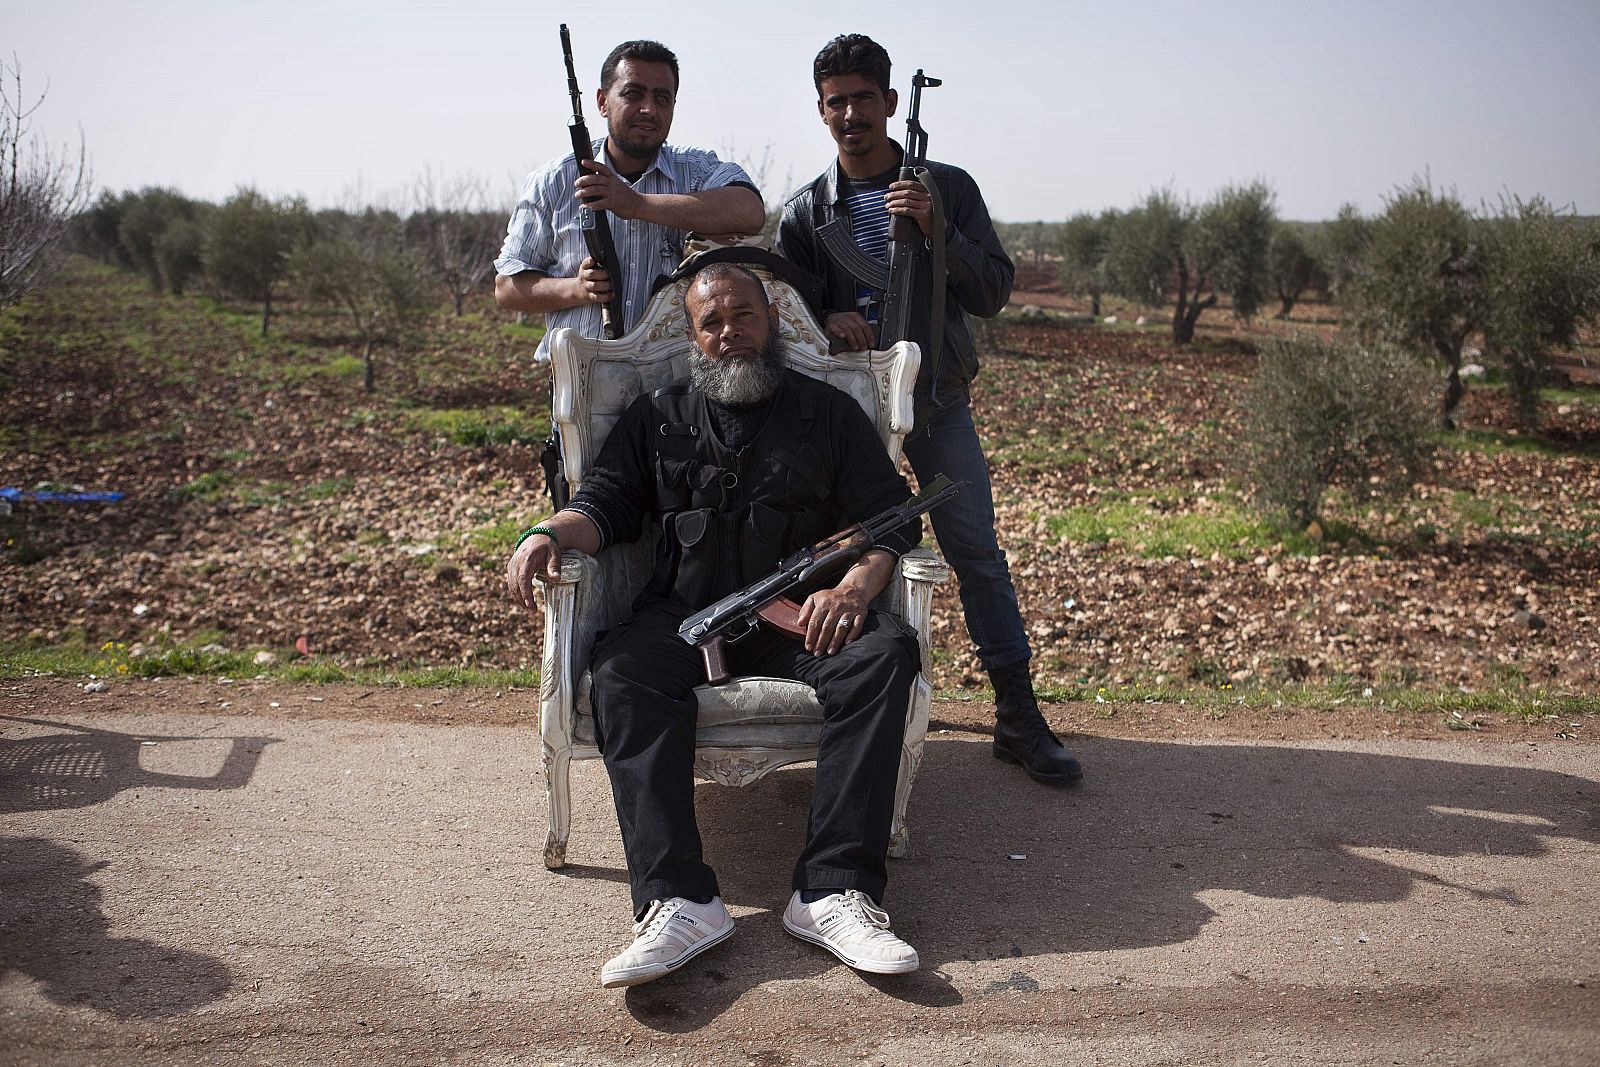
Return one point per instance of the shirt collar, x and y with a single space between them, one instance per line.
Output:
665 162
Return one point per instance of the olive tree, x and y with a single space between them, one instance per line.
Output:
176 250
1325 412
248 242
359 264
1421 285
1541 284
148 215
1083 242
1342 245
1194 253
1291 267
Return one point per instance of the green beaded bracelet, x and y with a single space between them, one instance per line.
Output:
530 531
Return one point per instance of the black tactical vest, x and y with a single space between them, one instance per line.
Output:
728 517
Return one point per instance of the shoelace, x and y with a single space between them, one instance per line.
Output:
858 905
655 919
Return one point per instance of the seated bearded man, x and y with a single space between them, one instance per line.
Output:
743 463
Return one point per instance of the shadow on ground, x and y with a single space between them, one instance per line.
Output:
53 926
1121 862
53 929
76 766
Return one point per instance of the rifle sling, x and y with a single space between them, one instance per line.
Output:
938 281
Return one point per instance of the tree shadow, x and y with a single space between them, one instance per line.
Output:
1121 862
55 932
84 765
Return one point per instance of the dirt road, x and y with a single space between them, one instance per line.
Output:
337 875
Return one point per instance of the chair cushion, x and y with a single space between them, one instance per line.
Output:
752 701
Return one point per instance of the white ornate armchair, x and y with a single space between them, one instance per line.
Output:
751 725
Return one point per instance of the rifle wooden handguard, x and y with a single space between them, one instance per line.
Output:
783 614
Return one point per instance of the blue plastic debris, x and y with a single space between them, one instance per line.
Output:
11 494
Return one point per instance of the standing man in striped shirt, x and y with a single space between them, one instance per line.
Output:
863 188
655 192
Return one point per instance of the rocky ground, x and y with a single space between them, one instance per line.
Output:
270 504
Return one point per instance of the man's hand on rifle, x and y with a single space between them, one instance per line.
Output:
594 284
603 189
835 617
832 618
911 199
849 331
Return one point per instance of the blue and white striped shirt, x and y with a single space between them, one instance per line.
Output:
865 201
544 234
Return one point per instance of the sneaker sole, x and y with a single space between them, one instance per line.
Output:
1005 756
870 966
640 975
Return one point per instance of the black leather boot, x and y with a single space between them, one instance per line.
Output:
1020 733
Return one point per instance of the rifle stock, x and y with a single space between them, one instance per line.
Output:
595 222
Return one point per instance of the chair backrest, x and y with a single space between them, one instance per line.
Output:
595 380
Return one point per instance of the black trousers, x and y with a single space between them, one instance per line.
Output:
645 713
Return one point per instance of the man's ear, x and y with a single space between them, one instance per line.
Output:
891 100
772 314
600 101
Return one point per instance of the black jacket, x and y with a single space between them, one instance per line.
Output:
979 273
728 517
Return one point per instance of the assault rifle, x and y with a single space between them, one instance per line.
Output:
734 617
905 237
596 227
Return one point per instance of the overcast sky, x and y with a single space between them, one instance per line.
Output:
1054 108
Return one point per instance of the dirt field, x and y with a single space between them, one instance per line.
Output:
270 503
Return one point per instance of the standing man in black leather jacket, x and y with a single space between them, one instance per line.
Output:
862 186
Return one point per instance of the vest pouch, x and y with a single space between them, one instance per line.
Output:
763 540
709 486
698 537
672 483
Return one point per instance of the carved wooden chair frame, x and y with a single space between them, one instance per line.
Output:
750 726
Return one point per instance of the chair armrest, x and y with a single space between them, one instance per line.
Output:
568 637
910 594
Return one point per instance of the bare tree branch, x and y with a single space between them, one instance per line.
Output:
40 190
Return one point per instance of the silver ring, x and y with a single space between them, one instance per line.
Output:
847 621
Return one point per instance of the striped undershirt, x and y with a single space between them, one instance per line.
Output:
869 225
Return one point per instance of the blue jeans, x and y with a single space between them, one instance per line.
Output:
964 528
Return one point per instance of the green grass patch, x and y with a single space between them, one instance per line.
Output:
501 537
1148 531
524 331
1493 442
77 658
1508 519
1457 709
210 486
327 490
495 425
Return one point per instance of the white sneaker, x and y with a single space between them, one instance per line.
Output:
852 927
673 932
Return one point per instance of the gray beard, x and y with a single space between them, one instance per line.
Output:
740 384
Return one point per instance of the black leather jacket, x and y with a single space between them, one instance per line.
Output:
979 273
